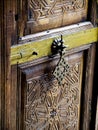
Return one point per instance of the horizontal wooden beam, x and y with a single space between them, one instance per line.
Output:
39 48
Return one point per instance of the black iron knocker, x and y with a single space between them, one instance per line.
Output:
62 67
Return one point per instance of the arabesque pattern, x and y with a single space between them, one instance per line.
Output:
50 8
49 106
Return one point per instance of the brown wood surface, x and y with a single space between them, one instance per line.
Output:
7 25
44 103
92 12
97 115
1 14
93 17
10 76
36 16
88 88
28 71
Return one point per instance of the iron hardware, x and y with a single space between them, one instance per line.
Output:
62 67
58 46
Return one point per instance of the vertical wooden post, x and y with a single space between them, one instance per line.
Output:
94 20
1 15
88 88
97 115
7 26
92 12
90 107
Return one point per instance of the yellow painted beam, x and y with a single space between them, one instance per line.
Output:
23 52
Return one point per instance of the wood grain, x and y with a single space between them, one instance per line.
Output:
24 52
36 80
27 72
7 24
0 61
10 77
37 16
88 88
97 115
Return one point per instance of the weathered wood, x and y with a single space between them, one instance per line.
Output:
1 15
37 16
2 89
7 11
39 73
28 70
13 100
93 12
93 17
88 88
97 115
10 84
24 52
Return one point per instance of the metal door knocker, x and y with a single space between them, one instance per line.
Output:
62 67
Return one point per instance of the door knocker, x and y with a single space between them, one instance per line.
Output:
62 67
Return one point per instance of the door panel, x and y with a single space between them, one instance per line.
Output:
42 15
45 104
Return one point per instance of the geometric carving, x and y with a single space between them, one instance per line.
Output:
49 106
49 14
47 8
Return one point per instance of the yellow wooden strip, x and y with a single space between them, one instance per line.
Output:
23 53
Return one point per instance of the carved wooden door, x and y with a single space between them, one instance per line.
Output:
34 99
47 105
43 103
49 14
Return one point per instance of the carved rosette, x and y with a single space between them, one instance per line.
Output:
52 107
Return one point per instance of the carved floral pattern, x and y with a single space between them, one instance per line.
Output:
49 106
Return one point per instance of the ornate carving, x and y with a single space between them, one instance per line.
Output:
50 8
41 15
49 14
49 106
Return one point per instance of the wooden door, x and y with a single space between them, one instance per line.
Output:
47 105
38 15
33 99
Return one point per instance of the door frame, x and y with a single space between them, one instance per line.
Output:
87 86
7 34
